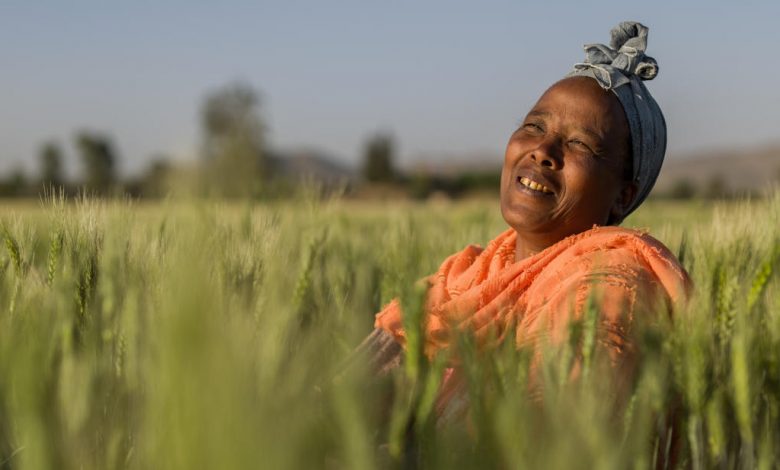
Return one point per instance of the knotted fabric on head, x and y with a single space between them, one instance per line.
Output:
621 67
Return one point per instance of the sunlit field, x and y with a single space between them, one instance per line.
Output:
201 334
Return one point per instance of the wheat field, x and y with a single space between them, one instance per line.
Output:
205 334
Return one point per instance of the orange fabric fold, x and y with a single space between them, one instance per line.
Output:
486 291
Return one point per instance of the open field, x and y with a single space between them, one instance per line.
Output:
206 335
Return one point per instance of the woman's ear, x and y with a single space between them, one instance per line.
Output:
623 202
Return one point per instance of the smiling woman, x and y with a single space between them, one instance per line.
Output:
586 155
565 167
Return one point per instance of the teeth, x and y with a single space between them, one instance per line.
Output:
534 185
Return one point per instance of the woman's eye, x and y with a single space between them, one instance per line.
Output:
580 145
534 128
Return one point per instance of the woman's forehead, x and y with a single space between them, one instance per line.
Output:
581 99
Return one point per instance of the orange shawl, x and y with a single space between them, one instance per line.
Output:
486 291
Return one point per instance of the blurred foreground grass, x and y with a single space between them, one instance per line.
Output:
205 335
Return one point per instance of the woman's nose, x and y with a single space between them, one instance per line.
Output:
547 154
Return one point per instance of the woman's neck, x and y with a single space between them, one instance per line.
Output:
527 246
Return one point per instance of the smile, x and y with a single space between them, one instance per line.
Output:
533 185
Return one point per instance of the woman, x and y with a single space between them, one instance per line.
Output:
586 156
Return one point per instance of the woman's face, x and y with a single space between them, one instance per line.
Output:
564 167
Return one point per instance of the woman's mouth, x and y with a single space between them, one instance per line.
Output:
533 185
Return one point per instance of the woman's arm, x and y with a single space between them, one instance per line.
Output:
379 352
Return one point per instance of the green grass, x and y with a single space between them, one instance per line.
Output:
206 335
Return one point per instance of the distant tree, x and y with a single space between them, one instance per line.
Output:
15 185
233 135
51 165
716 187
155 179
420 185
683 188
99 159
478 180
378 165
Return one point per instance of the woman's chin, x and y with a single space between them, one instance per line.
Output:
526 219
527 206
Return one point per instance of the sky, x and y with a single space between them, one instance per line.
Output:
449 80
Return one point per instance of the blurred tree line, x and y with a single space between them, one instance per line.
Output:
379 169
98 158
715 187
235 162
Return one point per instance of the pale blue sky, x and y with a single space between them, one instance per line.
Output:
446 77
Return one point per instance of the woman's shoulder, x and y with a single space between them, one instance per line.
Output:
616 244
610 237
630 255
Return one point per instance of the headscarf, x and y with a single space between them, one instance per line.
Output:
621 67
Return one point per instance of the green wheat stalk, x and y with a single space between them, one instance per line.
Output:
12 247
55 250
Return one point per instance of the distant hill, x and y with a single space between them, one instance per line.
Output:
454 165
306 163
746 170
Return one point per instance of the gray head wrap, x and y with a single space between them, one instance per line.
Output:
621 67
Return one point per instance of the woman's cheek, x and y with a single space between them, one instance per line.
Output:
511 153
